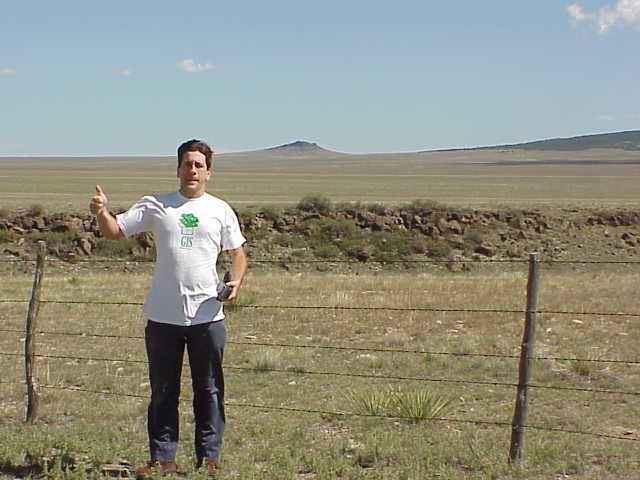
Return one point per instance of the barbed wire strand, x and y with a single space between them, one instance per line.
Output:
426 309
354 375
343 348
4 382
437 380
347 308
357 262
350 414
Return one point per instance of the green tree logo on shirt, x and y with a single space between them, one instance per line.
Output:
189 220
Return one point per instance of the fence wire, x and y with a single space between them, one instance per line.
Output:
284 260
342 348
358 308
351 375
352 414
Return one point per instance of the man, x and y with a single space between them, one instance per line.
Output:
190 229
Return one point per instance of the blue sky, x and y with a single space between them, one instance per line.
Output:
140 76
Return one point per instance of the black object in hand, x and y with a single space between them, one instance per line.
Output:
223 289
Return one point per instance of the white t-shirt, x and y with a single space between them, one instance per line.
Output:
189 234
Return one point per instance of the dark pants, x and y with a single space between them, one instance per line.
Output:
165 349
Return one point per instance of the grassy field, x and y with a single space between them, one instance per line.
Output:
302 381
461 178
282 360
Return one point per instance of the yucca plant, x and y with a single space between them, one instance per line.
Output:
371 402
414 405
419 405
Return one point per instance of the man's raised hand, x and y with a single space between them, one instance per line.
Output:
98 202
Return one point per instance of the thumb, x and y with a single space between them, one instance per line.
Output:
99 190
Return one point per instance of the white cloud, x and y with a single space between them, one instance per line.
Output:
606 118
188 65
625 12
124 73
576 12
7 71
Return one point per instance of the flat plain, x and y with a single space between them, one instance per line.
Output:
470 178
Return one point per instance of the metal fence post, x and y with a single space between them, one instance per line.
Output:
29 344
526 353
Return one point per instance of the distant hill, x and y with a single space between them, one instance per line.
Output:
298 148
629 140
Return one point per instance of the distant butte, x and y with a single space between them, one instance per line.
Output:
298 147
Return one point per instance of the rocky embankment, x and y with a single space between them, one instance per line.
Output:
444 232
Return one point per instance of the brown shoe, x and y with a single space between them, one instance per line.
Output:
155 468
213 468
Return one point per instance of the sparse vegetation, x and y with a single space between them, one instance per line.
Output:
80 431
271 213
268 359
122 248
316 203
438 248
278 444
473 239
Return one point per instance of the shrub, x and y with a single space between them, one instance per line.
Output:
424 207
4 212
273 214
340 229
438 249
378 209
316 203
357 249
289 240
6 236
472 240
394 244
35 210
245 217
327 251
53 239
324 231
351 208
121 248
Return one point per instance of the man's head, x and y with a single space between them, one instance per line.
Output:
194 167
196 146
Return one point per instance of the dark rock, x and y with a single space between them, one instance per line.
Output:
486 250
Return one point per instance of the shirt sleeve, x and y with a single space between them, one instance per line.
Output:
232 237
138 218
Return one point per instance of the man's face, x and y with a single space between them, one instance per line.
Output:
193 174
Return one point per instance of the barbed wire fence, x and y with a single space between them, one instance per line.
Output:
517 426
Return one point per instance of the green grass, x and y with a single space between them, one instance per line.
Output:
273 390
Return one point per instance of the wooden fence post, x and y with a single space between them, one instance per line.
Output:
526 353
30 344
